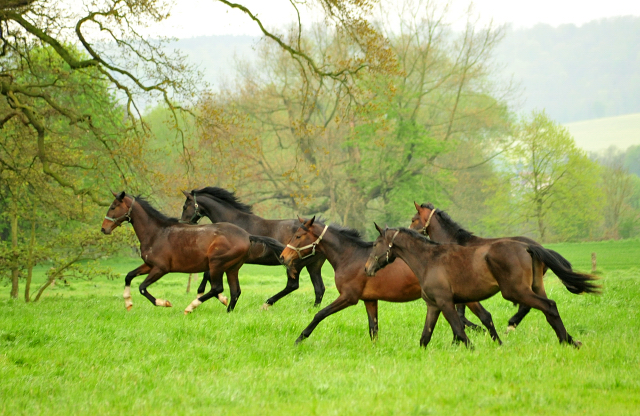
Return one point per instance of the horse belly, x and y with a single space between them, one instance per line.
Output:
394 283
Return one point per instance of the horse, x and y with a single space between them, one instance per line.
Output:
219 205
451 273
439 227
347 253
168 246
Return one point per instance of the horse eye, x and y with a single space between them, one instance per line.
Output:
297 236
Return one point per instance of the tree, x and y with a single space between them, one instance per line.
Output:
553 182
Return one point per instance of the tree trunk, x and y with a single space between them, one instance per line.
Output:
32 243
14 246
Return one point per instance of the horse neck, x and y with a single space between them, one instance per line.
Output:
145 227
438 233
340 252
417 254
219 212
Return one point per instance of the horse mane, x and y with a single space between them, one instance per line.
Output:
416 235
352 235
224 196
461 235
154 213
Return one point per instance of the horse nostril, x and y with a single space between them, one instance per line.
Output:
103 230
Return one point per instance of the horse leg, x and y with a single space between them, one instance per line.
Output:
485 318
515 320
550 310
216 290
292 284
234 287
144 269
315 273
449 311
154 275
460 307
433 312
372 313
343 301
203 284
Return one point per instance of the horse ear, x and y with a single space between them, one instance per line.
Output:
417 206
187 194
379 229
300 219
120 196
311 221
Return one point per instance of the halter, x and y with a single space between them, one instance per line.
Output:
196 215
312 246
389 249
126 216
424 229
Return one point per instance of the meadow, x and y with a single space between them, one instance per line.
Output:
78 351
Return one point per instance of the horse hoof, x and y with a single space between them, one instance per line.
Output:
129 307
577 344
186 312
510 328
167 304
265 307
224 300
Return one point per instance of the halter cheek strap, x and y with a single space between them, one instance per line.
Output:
424 229
312 246
391 244
196 214
125 217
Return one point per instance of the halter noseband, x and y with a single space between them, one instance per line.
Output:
126 216
424 229
312 246
196 215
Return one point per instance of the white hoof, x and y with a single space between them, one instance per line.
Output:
223 299
192 306
265 307
162 302
511 328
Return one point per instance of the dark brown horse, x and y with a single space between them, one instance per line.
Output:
347 253
220 205
450 273
168 246
439 227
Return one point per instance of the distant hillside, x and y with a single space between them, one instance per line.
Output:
594 135
577 73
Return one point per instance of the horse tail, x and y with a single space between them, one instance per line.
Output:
562 260
269 244
574 281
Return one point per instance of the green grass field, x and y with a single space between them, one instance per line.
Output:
78 351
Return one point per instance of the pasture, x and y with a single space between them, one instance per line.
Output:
78 351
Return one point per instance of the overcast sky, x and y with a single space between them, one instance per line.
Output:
209 17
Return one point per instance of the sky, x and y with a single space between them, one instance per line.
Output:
209 17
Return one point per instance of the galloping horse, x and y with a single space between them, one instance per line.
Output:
450 273
439 227
220 205
347 253
168 246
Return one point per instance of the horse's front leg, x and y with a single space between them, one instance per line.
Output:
372 313
144 269
216 290
154 275
203 284
234 287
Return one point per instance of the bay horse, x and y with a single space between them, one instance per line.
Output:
439 227
347 253
220 205
168 246
450 273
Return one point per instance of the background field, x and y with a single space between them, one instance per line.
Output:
79 352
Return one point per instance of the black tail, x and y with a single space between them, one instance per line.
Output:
562 260
269 243
574 281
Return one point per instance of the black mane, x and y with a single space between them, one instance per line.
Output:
416 235
352 235
224 196
460 234
154 213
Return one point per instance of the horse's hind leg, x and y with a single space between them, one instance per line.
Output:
515 320
372 313
485 318
216 290
234 287
460 308
449 312
315 273
154 275
143 269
